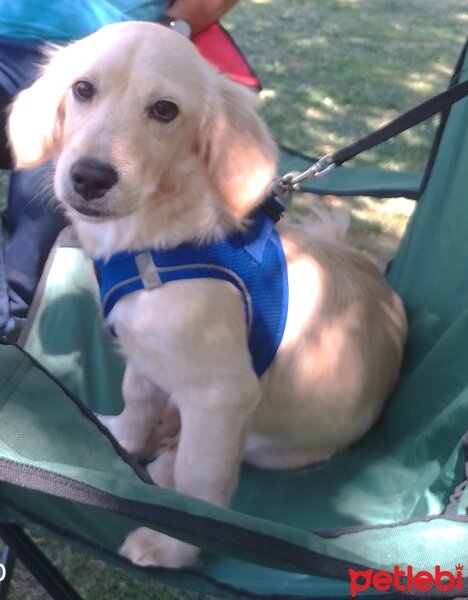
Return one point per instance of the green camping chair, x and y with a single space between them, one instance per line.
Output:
395 503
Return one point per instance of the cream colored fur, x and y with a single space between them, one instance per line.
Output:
198 177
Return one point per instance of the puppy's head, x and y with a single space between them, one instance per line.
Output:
128 112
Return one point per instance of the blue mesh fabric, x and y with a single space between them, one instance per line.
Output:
252 261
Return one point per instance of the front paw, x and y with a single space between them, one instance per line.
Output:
146 547
125 435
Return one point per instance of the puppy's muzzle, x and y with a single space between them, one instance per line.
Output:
91 178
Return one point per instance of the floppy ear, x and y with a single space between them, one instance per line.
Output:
238 151
36 115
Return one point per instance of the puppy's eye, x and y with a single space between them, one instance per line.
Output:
163 110
83 90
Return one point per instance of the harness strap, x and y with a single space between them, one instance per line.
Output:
253 261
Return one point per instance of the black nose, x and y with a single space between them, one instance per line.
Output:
92 178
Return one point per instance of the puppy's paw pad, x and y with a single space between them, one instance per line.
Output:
146 547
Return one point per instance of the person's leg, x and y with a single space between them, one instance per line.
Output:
33 220
6 321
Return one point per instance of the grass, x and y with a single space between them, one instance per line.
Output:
335 71
332 72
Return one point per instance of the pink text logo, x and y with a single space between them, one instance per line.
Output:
406 580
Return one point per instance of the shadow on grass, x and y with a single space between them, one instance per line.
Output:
376 226
335 71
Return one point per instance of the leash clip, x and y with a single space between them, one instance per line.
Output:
323 166
284 187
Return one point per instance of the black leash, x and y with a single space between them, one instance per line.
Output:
409 119
283 188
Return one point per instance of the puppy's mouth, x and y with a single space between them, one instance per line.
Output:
92 213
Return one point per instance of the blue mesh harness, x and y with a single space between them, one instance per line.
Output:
253 261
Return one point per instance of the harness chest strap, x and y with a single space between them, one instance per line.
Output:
253 261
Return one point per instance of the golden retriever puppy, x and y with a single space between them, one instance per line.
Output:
154 149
